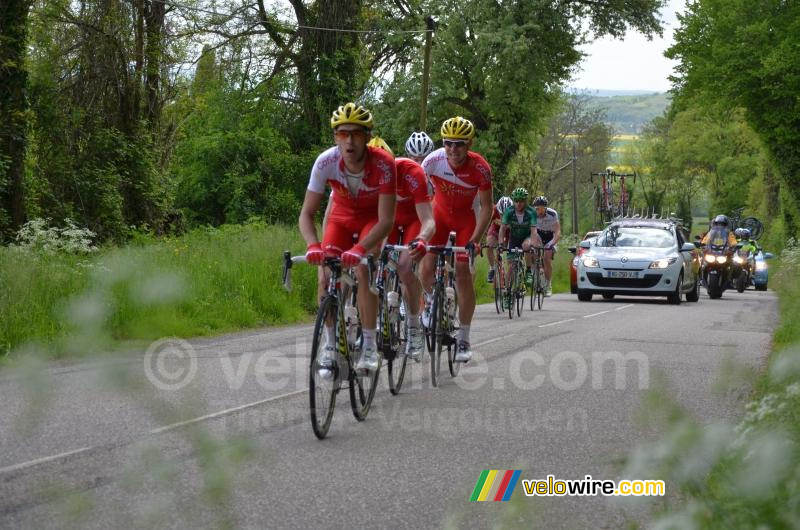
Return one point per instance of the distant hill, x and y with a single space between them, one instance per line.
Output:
609 93
627 114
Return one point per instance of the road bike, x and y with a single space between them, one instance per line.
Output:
516 287
443 322
392 331
537 289
338 309
499 279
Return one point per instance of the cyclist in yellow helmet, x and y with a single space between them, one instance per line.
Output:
458 176
363 181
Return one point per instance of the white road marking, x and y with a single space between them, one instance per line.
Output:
620 308
484 343
224 412
595 314
43 460
556 323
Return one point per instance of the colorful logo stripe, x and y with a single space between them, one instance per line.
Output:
495 485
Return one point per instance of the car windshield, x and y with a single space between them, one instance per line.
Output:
635 236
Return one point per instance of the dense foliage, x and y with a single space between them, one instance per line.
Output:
159 116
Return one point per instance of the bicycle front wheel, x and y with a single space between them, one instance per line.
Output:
396 364
322 391
438 331
362 385
519 294
511 289
540 289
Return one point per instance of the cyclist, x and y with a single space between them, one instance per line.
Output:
520 222
415 216
549 230
363 182
418 146
503 204
458 176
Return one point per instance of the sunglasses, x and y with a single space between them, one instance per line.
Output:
454 143
358 134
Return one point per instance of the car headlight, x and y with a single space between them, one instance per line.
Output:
722 259
738 259
591 262
761 265
662 263
711 258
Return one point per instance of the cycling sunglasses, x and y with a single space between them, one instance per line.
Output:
357 134
454 143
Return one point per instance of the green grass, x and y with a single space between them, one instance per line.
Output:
209 281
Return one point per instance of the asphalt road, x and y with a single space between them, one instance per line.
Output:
96 444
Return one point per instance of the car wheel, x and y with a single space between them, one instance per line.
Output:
608 296
583 296
694 294
675 298
761 287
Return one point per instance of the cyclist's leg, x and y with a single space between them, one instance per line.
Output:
491 241
465 286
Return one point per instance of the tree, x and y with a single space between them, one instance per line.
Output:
13 112
746 54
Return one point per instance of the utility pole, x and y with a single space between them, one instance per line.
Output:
426 72
574 190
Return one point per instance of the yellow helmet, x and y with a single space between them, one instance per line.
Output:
458 128
380 143
350 113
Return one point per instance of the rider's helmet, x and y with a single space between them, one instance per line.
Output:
351 113
519 194
458 128
541 200
419 144
720 220
380 143
742 233
504 203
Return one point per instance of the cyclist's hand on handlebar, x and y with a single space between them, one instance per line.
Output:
353 257
418 248
474 247
314 254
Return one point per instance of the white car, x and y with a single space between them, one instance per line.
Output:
639 257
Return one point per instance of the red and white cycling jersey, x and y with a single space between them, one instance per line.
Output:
380 177
456 188
412 189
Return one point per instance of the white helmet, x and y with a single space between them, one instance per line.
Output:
419 144
504 203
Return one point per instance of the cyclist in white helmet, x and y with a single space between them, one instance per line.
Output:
418 146
502 205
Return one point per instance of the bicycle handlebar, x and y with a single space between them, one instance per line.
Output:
289 260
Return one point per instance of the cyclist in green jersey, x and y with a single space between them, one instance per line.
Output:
520 221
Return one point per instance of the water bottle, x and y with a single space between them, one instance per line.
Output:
351 319
393 300
450 294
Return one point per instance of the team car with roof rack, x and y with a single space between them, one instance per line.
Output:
639 257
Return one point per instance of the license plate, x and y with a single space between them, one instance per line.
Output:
623 274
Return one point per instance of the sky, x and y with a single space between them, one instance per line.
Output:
630 64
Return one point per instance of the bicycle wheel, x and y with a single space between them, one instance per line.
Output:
454 367
430 329
436 320
511 288
540 289
362 386
396 365
534 287
322 393
520 294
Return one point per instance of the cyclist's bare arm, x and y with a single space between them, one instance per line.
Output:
425 216
556 233
501 236
386 207
311 205
485 216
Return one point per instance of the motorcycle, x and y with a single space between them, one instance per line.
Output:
742 268
716 269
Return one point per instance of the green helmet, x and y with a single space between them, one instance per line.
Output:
519 194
